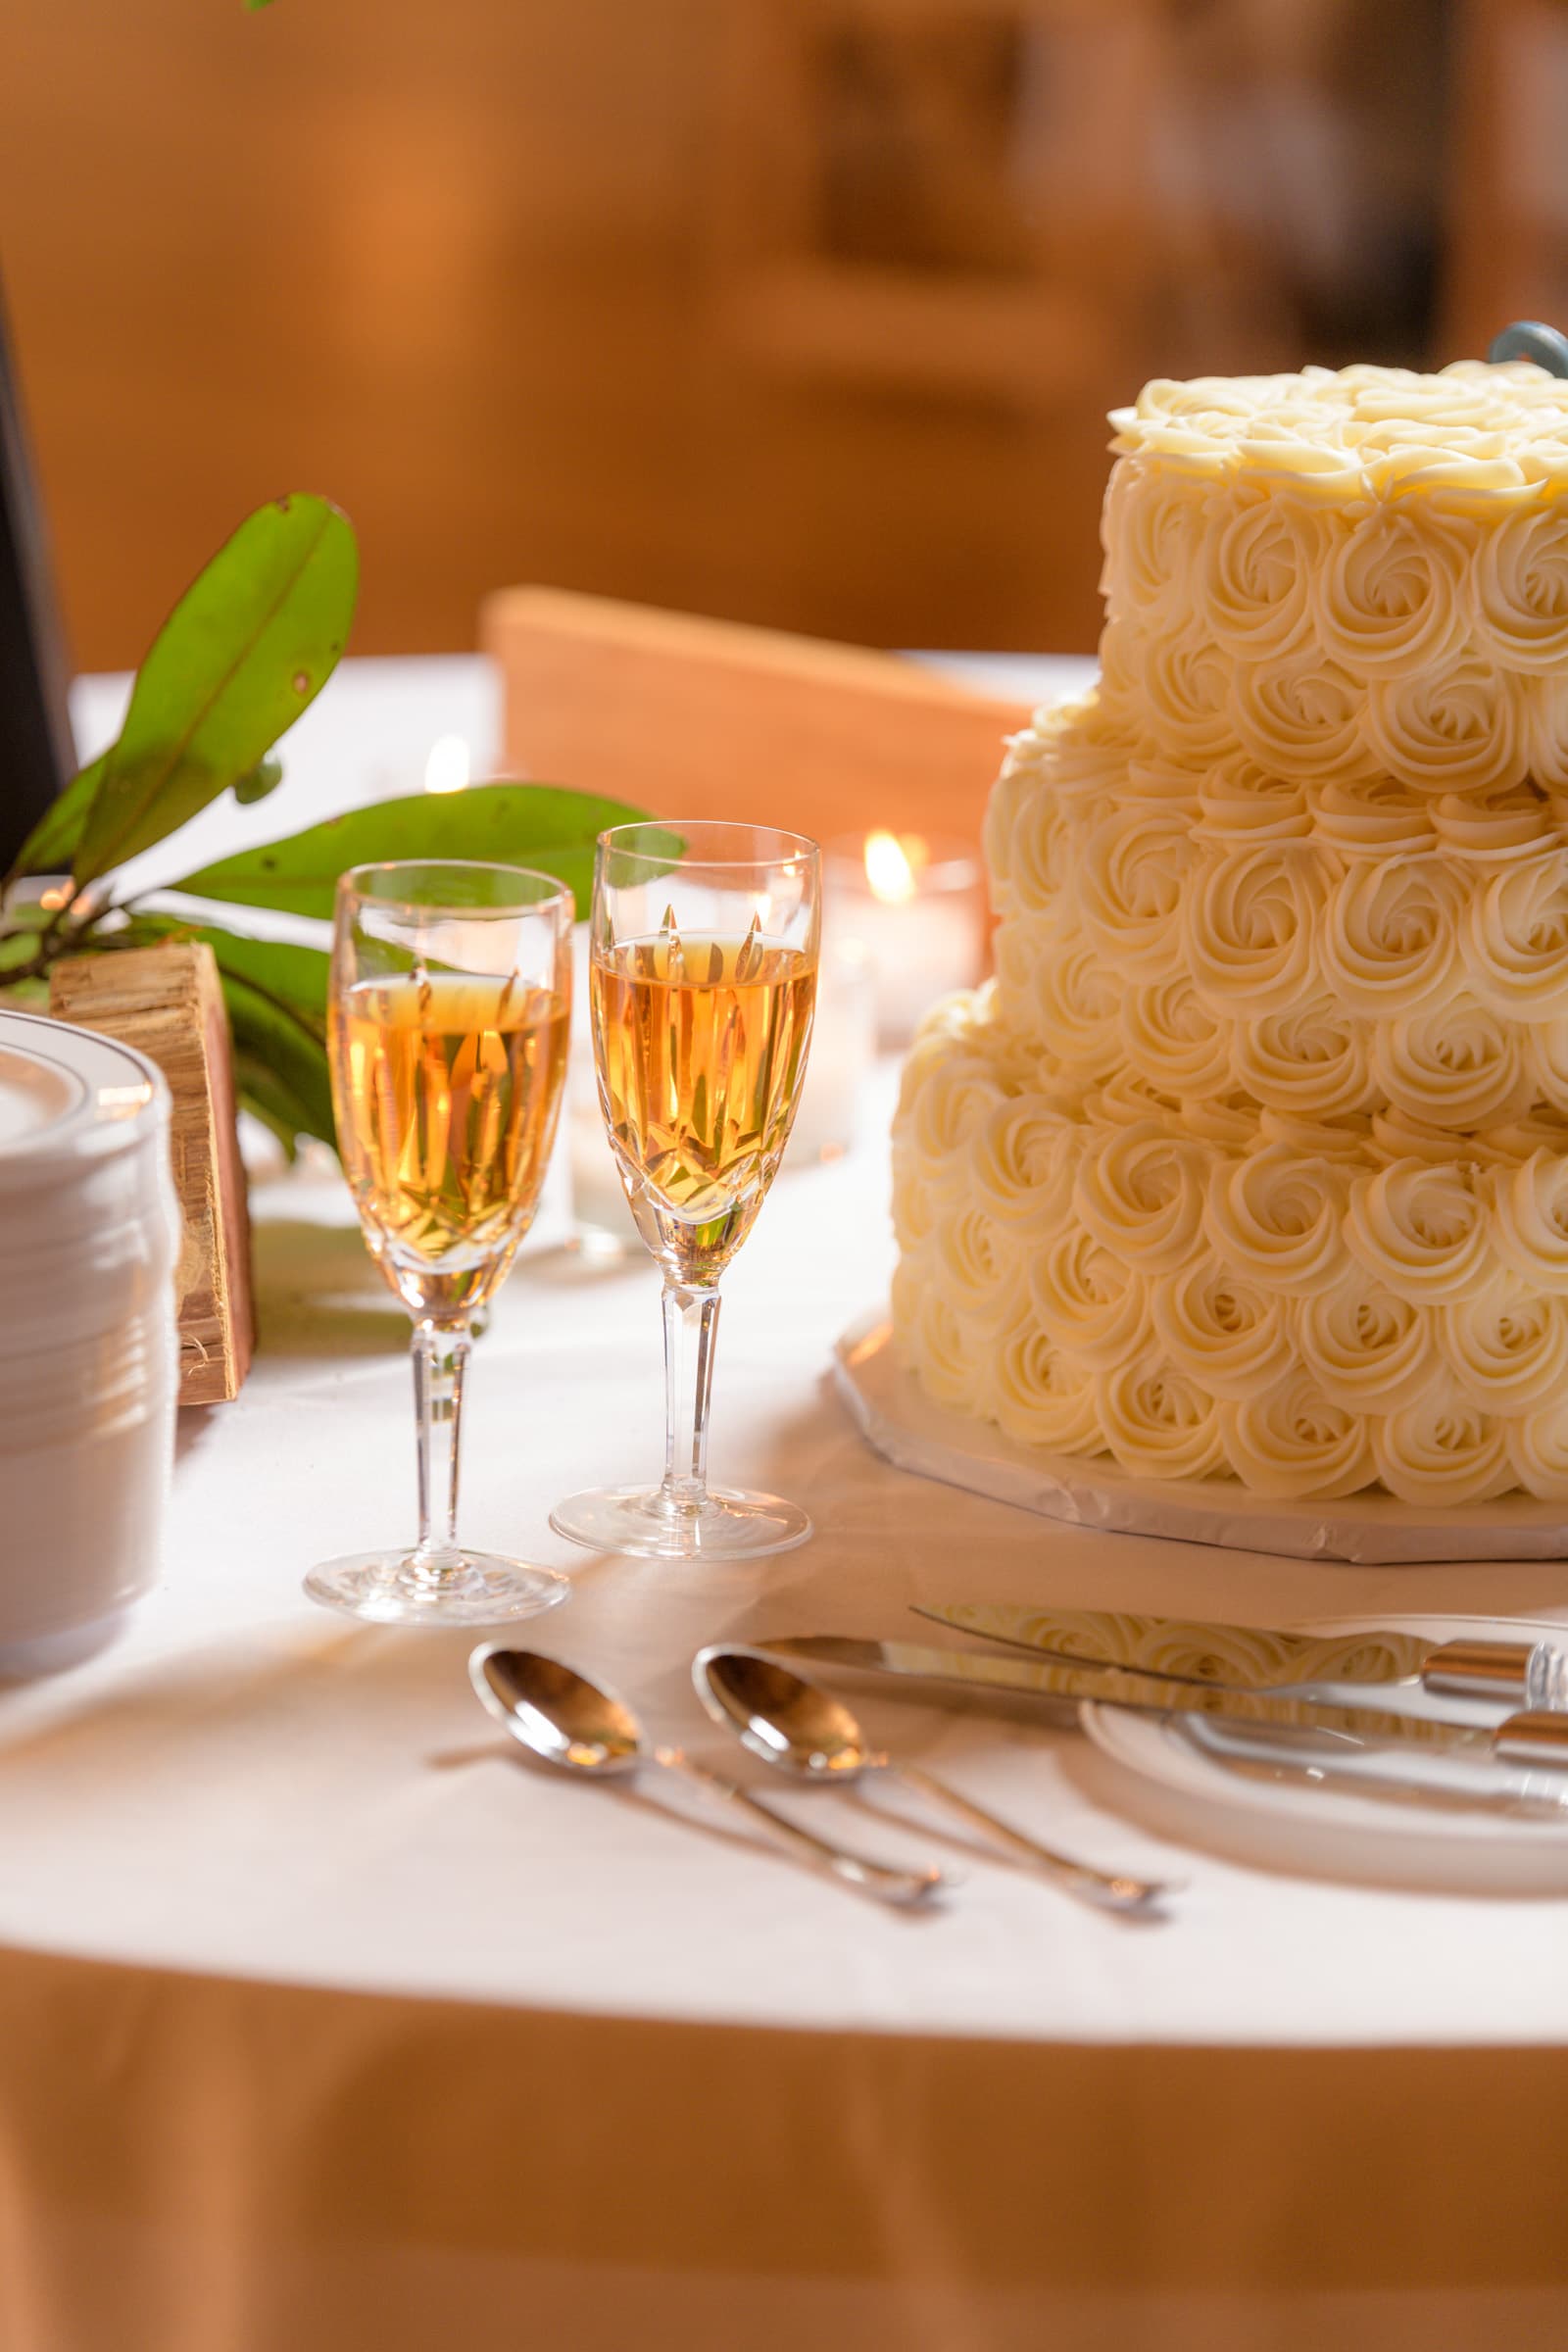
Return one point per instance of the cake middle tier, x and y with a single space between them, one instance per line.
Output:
1321 950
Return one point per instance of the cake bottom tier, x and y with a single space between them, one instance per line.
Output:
1219 1295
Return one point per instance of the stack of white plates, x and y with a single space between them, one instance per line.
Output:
89 1234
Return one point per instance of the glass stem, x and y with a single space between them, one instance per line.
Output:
440 1358
691 1324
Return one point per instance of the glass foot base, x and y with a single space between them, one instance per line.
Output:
639 1521
391 1588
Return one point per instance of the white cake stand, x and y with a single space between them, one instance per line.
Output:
905 1427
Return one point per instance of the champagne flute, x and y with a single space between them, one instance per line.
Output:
449 1006
702 983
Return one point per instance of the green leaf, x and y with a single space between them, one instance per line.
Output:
283 1055
51 845
265 777
248 647
539 825
296 978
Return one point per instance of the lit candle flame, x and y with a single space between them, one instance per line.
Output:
889 870
448 767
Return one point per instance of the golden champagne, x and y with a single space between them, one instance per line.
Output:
701 1047
447 1089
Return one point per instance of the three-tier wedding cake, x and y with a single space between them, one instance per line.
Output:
1253 1159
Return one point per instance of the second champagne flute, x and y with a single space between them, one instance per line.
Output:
702 984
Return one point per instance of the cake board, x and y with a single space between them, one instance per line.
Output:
910 1429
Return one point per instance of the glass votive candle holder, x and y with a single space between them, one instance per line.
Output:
843 1052
917 904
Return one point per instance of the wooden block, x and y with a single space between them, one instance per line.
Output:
691 717
167 1002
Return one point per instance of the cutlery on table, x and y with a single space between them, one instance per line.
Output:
1381 1665
785 1719
1367 1739
563 1718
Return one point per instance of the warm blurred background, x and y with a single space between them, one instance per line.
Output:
797 311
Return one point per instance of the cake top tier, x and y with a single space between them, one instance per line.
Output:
1497 434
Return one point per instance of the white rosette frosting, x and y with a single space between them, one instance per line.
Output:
1140 1190
1089 1301
972 1261
1457 1064
1344 1140
945 1355
1302 718
1544 1129
1077 1006
1462 727
1020 1163
1013 790
1152 528
914 1210
1538 1450
1254 574
1240 804
1521 583
1157 1422
1372 817
1180 685
1016 947
1313 1061
1153 775
1422 1231
1389 598
1249 922
1516 937
1389 942
1229 1122
1128 1100
1396 1135
1442 1448
1230 1335
946 1095
1545 722
1174 1040
1530 1222
1498 827
1045 835
1033 1393
1293 1439
1508 1347
1128 883
1546 1045
1366 1348
1276 1218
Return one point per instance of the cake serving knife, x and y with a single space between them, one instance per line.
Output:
1532 1741
1381 1665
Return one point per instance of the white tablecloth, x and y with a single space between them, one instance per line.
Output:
325 2020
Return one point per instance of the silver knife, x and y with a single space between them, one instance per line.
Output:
1409 1672
1530 1740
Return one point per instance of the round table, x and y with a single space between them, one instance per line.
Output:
328 2021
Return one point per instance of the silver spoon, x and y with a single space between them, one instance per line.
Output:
568 1721
800 1729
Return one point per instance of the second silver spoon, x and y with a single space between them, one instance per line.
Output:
800 1729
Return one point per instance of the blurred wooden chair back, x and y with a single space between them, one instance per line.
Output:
691 717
